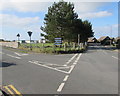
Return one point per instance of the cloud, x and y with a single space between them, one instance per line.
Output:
81 7
12 24
15 21
95 14
38 5
26 6
59 0
108 30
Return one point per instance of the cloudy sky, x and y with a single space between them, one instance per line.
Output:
20 16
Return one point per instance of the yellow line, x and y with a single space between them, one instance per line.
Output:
17 92
9 91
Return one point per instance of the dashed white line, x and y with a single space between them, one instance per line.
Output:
104 52
66 78
60 87
115 57
20 54
71 59
72 67
13 56
74 63
17 53
2 53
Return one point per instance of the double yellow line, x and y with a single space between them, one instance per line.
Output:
12 90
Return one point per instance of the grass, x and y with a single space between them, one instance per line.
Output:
50 48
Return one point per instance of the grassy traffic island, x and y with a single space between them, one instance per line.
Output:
52 49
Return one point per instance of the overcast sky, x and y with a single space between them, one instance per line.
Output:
20 16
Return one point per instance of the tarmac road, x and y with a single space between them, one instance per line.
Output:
93 72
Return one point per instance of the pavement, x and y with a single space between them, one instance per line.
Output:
93 72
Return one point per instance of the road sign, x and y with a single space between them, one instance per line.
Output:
18 35
29 33
58 41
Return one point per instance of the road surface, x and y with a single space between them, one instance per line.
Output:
93 72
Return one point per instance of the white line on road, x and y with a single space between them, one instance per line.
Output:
60 87
49 67
13 56
72 67
115 57
104 52
71 59
17 53
46 63
2 53
20 54
63 67
66 78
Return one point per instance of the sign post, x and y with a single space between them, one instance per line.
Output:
58 41
30 33
18 35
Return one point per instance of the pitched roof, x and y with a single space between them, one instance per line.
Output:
102 38
91 39
117 38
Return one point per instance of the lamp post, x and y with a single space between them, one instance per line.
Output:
18 35
30 33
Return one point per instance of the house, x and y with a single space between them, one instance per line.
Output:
105 40
92 40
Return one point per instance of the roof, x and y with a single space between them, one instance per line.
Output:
117 38
91 39
103 37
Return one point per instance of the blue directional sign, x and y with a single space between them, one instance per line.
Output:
58 41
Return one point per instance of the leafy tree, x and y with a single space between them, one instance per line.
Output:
62 21
59 21
86 31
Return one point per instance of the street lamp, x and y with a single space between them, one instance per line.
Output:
30 33
18 35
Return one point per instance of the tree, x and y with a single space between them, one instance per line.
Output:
87 31
59 21
62 21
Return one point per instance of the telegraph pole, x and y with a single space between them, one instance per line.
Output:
18 35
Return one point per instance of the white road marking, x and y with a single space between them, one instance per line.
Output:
49 67
104 52
20 54
46 63
60 87
17 53
74 63
72 67
13 56
71 59
66 78
2 53
63 67
115 57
